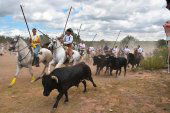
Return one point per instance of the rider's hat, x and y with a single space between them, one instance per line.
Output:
69 30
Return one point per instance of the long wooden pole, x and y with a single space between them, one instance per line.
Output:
42 32
79 30
67 20
25 21
94 37
117 38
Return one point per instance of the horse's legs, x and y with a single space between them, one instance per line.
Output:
49 66
43 70
15 77
31 73
111 69
58 65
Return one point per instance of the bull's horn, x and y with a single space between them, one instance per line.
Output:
55 78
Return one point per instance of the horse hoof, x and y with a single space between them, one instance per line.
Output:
9 86
32 79
53 110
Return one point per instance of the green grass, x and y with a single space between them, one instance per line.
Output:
157 61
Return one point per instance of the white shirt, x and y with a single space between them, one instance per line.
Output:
127 50
91 49
115 50
68 39
140 50
82 46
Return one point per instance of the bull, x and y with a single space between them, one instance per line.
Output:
64 78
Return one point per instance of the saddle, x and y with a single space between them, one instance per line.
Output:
68 58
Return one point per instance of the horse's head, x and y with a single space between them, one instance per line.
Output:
52 44
14 44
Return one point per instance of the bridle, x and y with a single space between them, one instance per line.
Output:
14 47
54 48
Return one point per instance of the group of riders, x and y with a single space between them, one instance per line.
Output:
67 40
122 51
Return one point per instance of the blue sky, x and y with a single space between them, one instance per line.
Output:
142 18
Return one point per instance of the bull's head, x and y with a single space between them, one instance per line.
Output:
49 83
96 59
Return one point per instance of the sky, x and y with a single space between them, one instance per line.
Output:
142 19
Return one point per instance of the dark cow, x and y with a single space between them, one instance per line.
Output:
133 60
117 64
64 78
100 61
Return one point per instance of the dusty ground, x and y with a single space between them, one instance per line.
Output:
138 92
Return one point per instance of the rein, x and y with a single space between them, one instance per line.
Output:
19 56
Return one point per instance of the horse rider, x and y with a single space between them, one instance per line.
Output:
35 42
140 50
115 51
82 48
68 40
106 49
126 51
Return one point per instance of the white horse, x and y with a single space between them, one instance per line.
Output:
59 54
25 57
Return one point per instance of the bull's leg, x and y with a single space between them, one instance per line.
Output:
120 71
97 70
31 73
91 79
100 68
106 69
66 94
125 70
116 72
15 77
111 71
84 83
56 103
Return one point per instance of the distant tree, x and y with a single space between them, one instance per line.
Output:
4 39
127 40
76 38
161 43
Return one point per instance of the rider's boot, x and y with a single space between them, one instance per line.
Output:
37 62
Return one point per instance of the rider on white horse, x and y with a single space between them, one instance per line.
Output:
68 40
140 50
35 42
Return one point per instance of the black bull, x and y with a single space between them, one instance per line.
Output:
64 78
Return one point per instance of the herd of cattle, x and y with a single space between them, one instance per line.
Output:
115 63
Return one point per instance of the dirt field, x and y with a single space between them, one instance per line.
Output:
138 92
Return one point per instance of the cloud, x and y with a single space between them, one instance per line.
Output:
141 18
